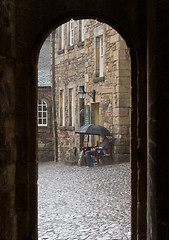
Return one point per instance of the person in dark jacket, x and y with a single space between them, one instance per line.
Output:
104 144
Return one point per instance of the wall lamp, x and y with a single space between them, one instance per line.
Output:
91 94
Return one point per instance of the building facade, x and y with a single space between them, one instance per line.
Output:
44 105
91 57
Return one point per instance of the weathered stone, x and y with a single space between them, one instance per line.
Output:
121 158
110 107
121 149
45 133
24 26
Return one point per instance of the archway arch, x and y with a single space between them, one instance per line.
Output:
138 79
81 14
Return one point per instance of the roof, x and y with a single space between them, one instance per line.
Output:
44 65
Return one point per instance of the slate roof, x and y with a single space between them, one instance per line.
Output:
44 65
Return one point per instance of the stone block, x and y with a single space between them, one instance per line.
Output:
123 95
116 112
124 103
125 88
121 140
114 38
124 72
124 112
122 149
116 56
124 64
123 45
121 158
124 80
124 54
121 112
121 120
124 130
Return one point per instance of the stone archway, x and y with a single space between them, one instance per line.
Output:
133 163
138 200
33 23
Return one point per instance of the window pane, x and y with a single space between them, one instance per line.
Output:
71 32
101 46
42 113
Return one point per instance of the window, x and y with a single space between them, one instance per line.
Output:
42 113
81 30
61 37
71 107
62 108
71 32
99 56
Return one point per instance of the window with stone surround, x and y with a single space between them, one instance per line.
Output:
99 56
62 108
61 37
42 113
71 32
71 107
81 30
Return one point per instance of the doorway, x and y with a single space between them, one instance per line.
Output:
137 126
106 109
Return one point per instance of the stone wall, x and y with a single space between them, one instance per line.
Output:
45 133
24 25
69 74
75 67
113 90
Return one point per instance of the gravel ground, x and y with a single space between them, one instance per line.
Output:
76 203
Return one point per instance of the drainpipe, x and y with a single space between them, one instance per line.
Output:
53 94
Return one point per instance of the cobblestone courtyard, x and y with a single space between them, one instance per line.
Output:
77 203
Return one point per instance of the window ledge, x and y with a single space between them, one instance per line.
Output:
60 51
69 128
70 48
98 79
80 44
62 128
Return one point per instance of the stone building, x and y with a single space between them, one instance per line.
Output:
92 56
44 105
24 26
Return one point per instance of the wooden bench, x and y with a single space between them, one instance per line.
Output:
101 159
106 158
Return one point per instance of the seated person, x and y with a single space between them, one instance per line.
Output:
103 144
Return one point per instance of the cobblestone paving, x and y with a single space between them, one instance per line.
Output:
76 203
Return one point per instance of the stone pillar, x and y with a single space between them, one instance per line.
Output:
141 158
151 134
122 102
158 120
8 215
